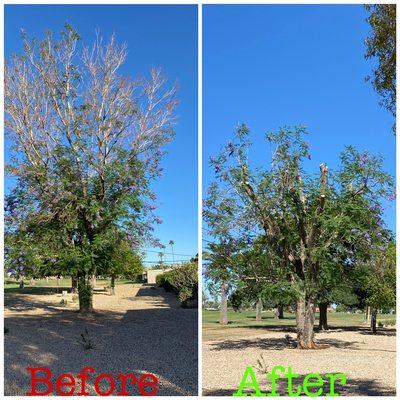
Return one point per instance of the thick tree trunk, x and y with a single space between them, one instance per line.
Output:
280 312
259 307
323 316
373 321
305 317
21 283
85 295
223 319
112 288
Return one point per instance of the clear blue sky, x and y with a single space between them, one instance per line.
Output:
157 36
276 65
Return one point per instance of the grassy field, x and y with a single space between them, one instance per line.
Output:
246 321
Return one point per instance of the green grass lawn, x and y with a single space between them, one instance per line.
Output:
239 321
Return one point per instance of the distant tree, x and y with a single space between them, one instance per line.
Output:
238 299
381 45
172 243
263 282
381 282
86 143
218 271
116 258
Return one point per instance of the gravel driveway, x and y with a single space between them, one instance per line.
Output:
368 361
140 329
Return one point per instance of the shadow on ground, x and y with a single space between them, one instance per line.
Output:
161 339
353 387
362 329
276 344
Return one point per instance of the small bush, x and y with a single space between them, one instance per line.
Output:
86 340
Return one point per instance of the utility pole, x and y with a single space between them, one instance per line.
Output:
160 255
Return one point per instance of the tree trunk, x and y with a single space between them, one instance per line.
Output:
259 307
93 281
112 288
280 312
323 316
85 294
31 282
368 314
373 320
58 280
223 319
21 283
74 284
305 317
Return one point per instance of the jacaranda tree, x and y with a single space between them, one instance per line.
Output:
302 216
86 143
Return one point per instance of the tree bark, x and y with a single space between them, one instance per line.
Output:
58 280
323 316
368 314
112 288
223 319
373 320
74 284
85 295
259 307
280 312
93 281
21 284
305 317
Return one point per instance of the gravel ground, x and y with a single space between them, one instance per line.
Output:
140 329
368 361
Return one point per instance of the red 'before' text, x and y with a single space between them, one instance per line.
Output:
104 384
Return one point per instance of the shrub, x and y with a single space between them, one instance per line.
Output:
165 280
86 340
183 280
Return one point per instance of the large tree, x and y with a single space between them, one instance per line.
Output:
381 46
301 216
86 143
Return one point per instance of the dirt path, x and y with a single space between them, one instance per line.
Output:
368 361
140 329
